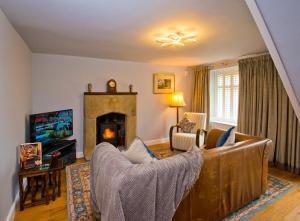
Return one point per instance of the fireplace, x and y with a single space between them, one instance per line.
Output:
108 117
111 129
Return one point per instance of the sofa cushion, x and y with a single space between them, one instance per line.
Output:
186 125
227 138
184 141
138 152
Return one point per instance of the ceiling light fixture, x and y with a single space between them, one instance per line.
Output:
176 39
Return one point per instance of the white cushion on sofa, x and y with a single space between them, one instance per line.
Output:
231 139
137 152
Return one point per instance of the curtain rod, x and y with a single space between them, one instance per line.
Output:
219 64
253 55
223 64
231 62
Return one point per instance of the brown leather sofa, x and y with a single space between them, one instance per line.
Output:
231 177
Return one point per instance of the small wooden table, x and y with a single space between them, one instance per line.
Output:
50 177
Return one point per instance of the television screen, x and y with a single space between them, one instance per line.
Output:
47 127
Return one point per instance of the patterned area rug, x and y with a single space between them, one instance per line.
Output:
78 190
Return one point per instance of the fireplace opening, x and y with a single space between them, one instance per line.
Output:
109 133
111 129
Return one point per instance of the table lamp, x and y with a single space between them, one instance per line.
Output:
177 100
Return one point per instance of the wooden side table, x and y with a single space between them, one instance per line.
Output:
50 178
32 176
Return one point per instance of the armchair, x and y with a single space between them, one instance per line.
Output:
183 141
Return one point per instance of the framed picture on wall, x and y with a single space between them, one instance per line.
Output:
163 83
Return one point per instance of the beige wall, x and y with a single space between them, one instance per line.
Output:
15 100
59 83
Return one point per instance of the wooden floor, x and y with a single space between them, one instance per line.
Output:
55 211
286 208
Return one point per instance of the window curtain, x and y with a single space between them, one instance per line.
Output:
200 102
265 111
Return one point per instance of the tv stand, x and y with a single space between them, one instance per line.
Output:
66 148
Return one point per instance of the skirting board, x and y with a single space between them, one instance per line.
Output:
148 142
12 211
79 155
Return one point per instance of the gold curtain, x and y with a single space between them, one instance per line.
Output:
265 110
200 102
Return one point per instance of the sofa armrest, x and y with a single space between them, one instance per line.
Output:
204 133
267 151
198 133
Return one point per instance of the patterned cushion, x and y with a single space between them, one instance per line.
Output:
186 125
227 138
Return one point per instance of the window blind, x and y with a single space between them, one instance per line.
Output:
225 86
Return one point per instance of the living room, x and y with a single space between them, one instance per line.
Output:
227 68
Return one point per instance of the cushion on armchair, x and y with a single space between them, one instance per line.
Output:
198 118
186 125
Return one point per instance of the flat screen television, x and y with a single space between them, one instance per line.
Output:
51 126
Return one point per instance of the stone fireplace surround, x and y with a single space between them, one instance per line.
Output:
97 104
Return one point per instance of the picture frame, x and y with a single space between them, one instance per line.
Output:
163 83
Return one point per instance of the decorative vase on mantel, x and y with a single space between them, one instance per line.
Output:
90 87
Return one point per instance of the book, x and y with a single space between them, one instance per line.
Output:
44 166
30 155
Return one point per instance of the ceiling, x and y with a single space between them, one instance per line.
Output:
126 30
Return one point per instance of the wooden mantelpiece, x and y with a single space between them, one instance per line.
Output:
97 104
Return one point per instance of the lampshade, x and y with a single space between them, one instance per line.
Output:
176 100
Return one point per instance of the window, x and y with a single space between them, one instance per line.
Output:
224 90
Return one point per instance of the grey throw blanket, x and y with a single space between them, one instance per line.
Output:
122 191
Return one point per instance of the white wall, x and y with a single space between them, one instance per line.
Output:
15 100
282 19
278 23
59 82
